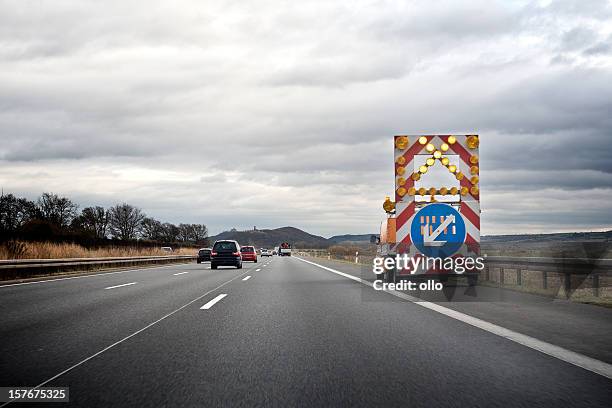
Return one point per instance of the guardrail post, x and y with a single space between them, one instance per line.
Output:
567 283
596 284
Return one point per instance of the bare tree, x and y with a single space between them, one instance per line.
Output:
185 232
56 210
125 221
95 220
170 232
200 232
192 232
151 229
14 212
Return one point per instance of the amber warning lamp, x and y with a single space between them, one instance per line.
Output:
388 205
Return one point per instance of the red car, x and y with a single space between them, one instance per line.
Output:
248 253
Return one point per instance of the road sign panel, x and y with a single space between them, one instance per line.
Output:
438 230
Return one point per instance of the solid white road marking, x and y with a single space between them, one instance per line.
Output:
247 277
93 275
257 270
180 273
212 302
120 286
577 359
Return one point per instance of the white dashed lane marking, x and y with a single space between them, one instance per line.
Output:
120 286
213 302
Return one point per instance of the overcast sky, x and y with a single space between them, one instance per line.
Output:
274 113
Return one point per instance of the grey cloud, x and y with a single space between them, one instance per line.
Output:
446 20
566 100
601 48
562 59
549 210
71 27
52 137
586 41
338 73
214 178
562 178
597 9
561 152
578 38
216 113
386 42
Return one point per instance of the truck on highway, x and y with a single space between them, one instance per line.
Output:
284 249
436 228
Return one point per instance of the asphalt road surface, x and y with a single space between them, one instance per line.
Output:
286 333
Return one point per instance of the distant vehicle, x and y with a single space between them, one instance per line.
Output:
285 249
225 253
204 255
266 252
248 253
275 252
166 249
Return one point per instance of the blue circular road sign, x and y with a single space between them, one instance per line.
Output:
437 230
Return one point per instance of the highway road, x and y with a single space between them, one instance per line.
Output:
287 332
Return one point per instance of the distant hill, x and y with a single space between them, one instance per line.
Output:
336 239
268 238
585 243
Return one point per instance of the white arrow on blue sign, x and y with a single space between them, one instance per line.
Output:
437 230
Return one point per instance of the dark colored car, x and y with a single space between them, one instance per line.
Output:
248 253
225 253
204 255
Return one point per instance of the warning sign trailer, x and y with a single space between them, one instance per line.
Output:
428 220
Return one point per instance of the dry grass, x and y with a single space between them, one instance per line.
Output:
554 249
50 250
340 251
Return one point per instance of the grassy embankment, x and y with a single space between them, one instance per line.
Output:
50 250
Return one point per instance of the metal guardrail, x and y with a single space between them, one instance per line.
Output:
555 274
576 265
23 268
18 262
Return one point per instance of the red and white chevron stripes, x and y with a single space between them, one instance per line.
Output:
461 149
